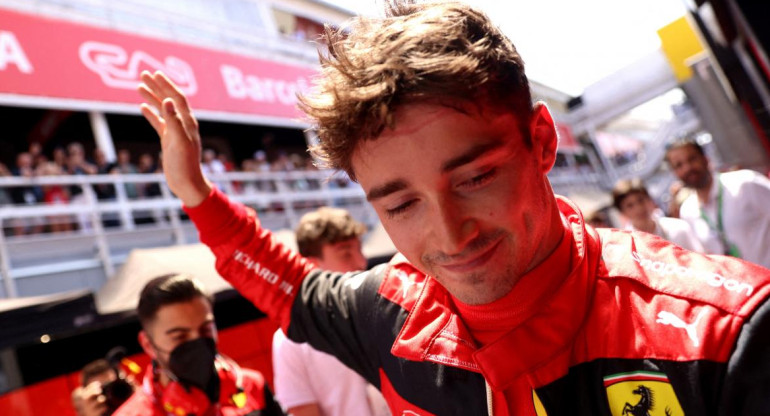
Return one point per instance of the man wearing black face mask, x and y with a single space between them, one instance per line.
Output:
188 377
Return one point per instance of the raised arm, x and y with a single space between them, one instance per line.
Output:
247 256
167 110
329 310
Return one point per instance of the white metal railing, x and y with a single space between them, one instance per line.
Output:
654 151
280 197
567 180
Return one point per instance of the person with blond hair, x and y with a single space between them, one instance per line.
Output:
309 382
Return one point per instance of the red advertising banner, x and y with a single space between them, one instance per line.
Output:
47 58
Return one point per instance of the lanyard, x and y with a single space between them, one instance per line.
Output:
729 248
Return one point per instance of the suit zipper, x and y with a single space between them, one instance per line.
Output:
490 406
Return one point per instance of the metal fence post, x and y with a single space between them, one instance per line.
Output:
5 266
173 213
102 247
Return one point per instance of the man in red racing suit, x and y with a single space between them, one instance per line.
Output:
608 309
503 302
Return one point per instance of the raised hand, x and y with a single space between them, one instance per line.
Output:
168 112
89 400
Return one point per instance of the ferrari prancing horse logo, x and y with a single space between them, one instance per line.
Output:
641 393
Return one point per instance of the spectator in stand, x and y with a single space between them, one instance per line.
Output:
263 165
59 156
147 165
631 199
728 211
55 194
26 195
248 187
101 162
210 165
309 382
228 166
126 167
147 190
226 162
248 165
78 165
188 376
104 191
36 151
282 163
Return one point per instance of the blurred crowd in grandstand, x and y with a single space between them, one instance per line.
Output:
72 160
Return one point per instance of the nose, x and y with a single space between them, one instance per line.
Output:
453 227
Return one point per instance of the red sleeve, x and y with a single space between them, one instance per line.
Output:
260 268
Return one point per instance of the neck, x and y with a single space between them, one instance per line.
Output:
704 191
163 377
551 238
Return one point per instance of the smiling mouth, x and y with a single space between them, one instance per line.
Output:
474 261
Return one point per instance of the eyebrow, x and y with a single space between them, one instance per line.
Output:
469 156
386 189
177 329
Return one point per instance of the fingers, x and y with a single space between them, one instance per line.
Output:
169 89
174 126
153 118
149 96
157 87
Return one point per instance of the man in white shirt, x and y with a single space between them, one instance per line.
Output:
309 382
729 212
632 200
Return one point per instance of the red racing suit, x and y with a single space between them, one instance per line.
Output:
636 326
243 392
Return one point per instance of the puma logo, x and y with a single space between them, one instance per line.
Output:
405 282
668 318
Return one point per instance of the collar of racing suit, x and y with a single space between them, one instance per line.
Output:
490 321
433 330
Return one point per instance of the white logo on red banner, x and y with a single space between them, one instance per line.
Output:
119 69
12 53
260 88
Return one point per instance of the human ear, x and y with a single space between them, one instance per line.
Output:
144 341
545 141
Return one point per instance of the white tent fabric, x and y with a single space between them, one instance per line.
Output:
121 292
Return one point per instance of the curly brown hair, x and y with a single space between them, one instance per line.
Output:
325 225
442 52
